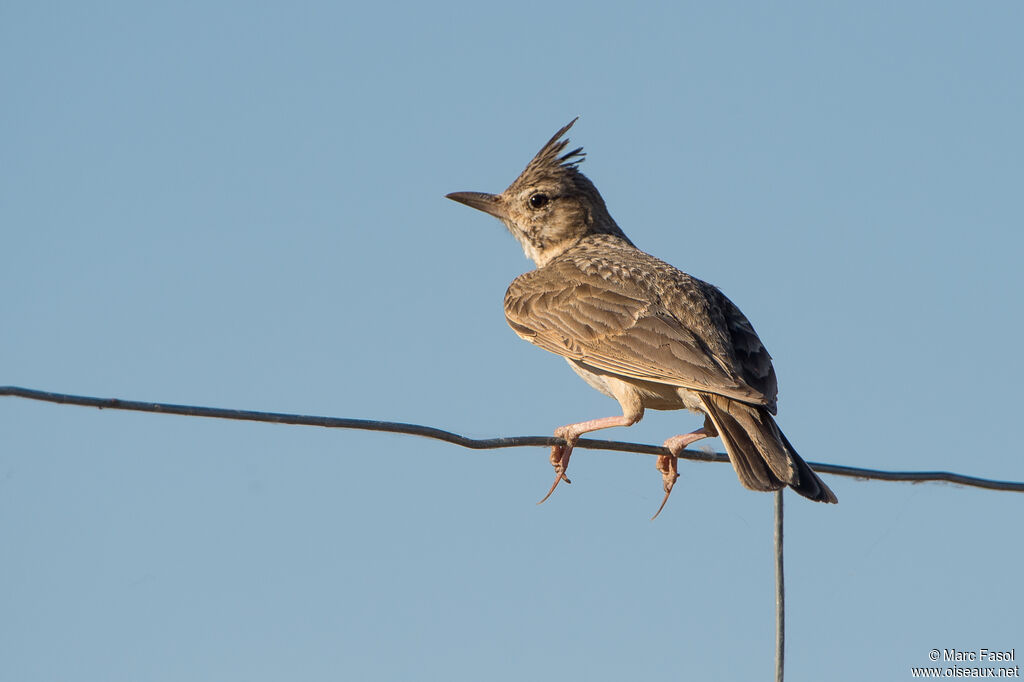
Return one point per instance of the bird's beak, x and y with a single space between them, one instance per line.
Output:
488 203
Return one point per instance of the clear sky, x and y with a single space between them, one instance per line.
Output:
241 204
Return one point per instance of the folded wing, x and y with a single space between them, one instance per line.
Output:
619 326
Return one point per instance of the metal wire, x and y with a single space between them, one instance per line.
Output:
525 441
479 443
780 593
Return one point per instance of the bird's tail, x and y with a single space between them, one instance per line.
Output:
759 451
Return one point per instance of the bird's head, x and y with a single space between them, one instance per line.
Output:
551 205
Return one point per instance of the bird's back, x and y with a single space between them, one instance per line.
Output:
603 295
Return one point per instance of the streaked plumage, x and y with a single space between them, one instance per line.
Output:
636 328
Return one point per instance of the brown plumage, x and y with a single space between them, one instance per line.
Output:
636 328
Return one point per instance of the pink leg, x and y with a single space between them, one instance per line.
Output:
668 464
571 433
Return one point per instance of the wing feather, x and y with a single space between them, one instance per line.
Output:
618 326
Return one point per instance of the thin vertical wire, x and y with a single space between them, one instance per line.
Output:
521 441
780 594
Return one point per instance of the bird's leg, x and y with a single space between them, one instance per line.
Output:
668 464
571 433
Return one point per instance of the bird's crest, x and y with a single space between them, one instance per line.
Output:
548 162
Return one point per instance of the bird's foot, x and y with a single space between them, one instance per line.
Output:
668 465
560 461
571 433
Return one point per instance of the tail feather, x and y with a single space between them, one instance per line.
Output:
762 456
808 483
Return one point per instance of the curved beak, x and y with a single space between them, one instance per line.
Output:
488 203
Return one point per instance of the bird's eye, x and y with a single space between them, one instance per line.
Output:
538 200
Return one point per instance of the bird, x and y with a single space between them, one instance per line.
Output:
637 329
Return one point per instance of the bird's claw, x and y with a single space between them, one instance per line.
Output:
560 461
668 466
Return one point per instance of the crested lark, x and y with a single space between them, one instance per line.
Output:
637 329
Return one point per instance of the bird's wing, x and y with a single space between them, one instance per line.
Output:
752 359
616 326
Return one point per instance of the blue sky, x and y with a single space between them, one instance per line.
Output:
241 205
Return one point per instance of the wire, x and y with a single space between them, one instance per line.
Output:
780 593
479 443
524 441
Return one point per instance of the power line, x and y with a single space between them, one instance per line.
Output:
523 441
478 443
780 593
